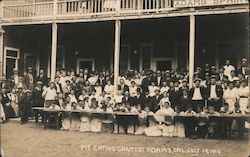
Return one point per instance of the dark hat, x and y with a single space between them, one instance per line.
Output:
197 79
213 76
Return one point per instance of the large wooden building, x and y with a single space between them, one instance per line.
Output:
122 34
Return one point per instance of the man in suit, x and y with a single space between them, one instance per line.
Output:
14 79
244 69
155 100
139 98
101 80
29 79
127 99
146 82
122 86
85 74
197 95
158 80
42 78
175 94
221 74
215 93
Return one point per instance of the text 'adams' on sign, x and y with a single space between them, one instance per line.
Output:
200 3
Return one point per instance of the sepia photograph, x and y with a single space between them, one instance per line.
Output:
124 78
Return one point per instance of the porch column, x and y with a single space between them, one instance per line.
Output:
1 51
191 49
117 54
53 51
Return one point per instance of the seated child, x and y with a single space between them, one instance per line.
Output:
239 122
66 116
226 123
189 122
142 120
130 120
96 119
75 118
153 128
214 123
85 117
168 113
108 119
202 122
179 129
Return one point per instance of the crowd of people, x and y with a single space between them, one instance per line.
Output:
150 94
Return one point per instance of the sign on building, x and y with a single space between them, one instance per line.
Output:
200 3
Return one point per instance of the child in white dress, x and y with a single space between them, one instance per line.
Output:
75 118
66 115
85 118
96 119
142 121
179 129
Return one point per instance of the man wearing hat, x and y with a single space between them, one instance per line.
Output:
25 106
42 77
244 69
4 84
146 81
14 77
155 100
175 94
215 94
29 79
197 95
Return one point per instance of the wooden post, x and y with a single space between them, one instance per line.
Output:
191 49
53 51
54 9
117 54
1 51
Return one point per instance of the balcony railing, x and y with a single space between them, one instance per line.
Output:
64 9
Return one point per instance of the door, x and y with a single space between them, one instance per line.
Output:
146 56
11 64
11 57
163 65
85 63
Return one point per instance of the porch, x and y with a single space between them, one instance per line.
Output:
156 44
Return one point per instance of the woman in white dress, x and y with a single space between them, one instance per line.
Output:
243 95
231 96
109 88
2 114
13 101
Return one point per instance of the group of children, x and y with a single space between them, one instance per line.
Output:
168 122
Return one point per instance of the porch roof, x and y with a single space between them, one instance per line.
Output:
68 11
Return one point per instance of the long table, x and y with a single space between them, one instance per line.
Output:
119 115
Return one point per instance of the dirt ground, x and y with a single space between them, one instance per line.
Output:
30 140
